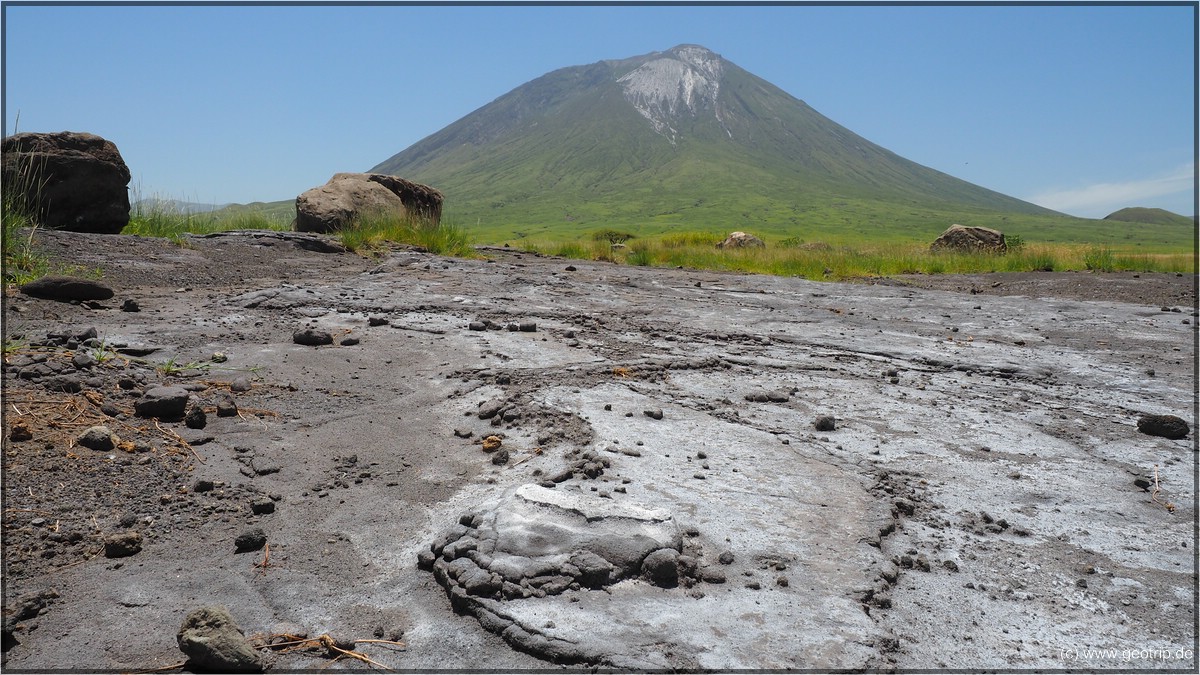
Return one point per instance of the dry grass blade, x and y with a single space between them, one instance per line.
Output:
266 561
178 439
394 643
1154 495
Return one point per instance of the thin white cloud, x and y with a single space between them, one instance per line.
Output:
1101 198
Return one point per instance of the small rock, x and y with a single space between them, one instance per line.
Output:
162 402
202 485
781 581
377 321
477 325
490 409
122 545
130 305
825 423
501 457
726 558
226 406
312 337
1166 426
250 540
83 360
528 327
464 433
660 567
350 341
195 418
98 438
240 384
656 414
262 506
20 431
213 642
218 357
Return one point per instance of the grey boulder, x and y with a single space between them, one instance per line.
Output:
212 641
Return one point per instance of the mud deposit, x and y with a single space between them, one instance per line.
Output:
523 462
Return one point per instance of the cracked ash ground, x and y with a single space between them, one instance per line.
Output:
683 469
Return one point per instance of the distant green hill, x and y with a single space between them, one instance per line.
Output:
1138 214
683 139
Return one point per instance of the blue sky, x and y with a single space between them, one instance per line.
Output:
1085 109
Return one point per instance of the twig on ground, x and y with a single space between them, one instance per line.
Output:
79 562
39 511
293 643
534 453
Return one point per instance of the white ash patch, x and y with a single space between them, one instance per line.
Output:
664 89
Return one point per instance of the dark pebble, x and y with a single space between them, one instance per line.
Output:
1165 426
250 540
312 337
122 545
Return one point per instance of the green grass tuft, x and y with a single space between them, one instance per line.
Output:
155 219
373 233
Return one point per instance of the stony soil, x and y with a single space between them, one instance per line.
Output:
689 469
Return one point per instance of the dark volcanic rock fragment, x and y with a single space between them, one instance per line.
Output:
312 337
66 289
825 423
1166 426
250 540
169 403
122 544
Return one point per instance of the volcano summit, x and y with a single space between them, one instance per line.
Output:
676 138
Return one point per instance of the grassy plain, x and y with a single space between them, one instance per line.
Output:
840 241
863 258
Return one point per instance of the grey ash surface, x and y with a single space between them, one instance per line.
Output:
983 500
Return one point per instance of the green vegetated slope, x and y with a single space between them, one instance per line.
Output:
569 153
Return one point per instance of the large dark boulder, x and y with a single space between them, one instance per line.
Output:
962 239
349 196
66 289
68 180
